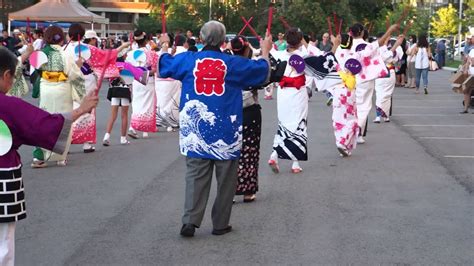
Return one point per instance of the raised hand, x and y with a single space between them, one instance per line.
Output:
266 45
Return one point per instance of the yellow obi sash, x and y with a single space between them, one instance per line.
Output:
391 66
54 76
348 79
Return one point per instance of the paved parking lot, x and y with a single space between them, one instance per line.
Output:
434 121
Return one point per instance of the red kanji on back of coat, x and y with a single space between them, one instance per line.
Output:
209 77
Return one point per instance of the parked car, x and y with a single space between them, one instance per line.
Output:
252 40
456 53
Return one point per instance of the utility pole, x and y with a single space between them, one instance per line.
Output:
210 9
460 27
429 21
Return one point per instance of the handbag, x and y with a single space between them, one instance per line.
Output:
433 65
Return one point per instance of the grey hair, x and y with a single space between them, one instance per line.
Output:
213 33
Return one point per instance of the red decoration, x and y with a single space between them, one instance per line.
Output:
163 18
284 22
102 74
270 18
329 26
210 77
247 23
79 43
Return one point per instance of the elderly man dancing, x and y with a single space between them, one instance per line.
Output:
210 120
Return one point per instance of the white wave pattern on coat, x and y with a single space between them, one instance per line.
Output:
192 115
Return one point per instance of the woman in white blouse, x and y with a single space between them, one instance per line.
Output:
422 54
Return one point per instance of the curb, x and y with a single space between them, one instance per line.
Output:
449 69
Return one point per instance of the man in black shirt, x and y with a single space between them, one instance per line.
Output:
6 40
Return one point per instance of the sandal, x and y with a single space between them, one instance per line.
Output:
132 134
249 199
296 170
92 149
274 166
36 164
344 153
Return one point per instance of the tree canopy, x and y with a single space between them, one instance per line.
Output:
309 15
445 22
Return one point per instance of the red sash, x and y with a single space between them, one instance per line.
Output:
296 82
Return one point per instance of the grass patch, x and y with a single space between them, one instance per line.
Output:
453 63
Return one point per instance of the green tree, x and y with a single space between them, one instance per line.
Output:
8 6
368 10
310 16
419 19
85 3
147 24
469 14
307 16
421 22
445 22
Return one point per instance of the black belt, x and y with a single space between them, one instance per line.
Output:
12 174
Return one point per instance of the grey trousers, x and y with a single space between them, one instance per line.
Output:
198 186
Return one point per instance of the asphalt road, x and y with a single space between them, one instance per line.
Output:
398 200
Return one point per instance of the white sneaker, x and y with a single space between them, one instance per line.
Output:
377 120
145 135
169 129
360 140
386 119
124 141
106 140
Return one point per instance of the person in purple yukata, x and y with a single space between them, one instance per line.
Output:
34 127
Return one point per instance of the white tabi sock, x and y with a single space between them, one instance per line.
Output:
296 165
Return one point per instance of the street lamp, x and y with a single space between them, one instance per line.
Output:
210 9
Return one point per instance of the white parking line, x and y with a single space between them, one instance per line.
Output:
408 125
446 138
424 99
459 156
425 107
421 114
429 95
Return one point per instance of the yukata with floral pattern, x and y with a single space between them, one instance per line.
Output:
20 87
385 86
84 128
144 96
346 119
61 83
333 73
373 68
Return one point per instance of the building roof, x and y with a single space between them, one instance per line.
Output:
127 7
57 10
